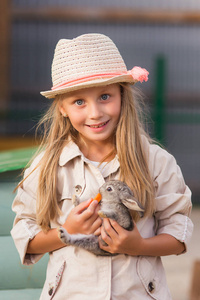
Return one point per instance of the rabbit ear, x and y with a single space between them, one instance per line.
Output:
132 204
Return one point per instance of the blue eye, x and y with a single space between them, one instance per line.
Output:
79 102
105 97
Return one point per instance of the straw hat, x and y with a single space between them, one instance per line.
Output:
87 61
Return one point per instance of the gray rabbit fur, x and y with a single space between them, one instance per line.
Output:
117 199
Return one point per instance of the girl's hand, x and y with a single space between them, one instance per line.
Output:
84 219
122 241
119 240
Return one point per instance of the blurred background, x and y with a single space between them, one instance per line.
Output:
161 36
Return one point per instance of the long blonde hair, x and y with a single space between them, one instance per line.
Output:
133 161
132 157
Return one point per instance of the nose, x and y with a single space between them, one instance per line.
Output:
94 111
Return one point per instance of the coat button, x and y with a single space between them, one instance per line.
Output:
50 292
151 286
78 189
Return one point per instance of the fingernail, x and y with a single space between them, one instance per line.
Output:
95 201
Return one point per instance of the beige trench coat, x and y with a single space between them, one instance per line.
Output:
77 274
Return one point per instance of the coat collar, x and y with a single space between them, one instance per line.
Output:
69 152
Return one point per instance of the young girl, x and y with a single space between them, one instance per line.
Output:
92 134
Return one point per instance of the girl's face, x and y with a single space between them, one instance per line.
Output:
94 112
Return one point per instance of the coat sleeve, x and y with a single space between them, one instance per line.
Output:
173 197
25 226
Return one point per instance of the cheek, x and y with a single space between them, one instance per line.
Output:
116 109
76 118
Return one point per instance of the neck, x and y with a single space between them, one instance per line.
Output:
97 151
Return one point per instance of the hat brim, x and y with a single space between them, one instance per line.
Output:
92 83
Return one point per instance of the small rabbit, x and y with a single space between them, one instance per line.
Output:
117 199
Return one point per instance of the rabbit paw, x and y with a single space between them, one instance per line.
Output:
75 200
102 214
63 235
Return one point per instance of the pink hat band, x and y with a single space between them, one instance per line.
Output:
137 73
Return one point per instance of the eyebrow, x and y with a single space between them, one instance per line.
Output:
77 94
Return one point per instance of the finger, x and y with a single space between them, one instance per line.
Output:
85 205
110 230
103 244
91 210
97 209
105 236
98 231
93 205
82 206
118 229
96 225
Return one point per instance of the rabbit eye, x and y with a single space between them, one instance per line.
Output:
109 189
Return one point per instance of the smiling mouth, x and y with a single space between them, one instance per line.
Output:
98 126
